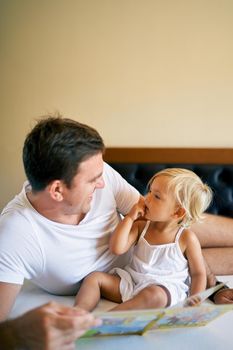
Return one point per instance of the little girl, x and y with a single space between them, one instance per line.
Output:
167 263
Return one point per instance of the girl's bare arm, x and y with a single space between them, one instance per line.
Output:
127 231
196 263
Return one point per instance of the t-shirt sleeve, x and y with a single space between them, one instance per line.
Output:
125 194
20 254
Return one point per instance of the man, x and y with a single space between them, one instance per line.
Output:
56 230
51 326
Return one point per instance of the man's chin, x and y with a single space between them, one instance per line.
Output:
86 209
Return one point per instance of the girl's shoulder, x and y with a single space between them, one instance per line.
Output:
187 237
187 233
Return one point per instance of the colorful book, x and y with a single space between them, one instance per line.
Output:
141 321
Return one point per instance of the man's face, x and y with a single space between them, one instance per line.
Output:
77 198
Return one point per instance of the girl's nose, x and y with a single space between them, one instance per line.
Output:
147 196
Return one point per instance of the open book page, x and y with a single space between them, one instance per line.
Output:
191 316
140 321
183 315
125 322
202 295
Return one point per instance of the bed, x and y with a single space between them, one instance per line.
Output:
137 165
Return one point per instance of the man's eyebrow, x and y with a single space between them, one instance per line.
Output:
96 177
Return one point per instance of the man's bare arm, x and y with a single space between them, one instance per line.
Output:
8 294
214 231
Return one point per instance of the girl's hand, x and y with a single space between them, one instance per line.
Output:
138 210
193 301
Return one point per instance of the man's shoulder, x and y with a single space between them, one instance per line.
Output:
17 210
115 179
108 170
111 176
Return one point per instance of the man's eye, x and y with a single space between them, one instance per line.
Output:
157 196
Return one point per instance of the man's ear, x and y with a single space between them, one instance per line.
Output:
55 189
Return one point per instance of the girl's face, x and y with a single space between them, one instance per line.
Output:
160 203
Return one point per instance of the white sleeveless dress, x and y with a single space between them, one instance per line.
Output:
155 264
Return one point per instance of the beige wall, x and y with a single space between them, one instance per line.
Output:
143 72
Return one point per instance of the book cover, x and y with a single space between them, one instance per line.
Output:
141 321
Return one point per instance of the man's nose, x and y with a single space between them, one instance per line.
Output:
100 183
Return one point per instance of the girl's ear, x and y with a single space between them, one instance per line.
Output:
55 189
180 212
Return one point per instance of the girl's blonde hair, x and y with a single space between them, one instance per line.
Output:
190 192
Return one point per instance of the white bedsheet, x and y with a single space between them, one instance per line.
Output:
216 335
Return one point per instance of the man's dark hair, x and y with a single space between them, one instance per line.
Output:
54 149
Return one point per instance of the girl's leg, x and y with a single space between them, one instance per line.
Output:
94 286
150 297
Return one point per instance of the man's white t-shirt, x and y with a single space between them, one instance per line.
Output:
57 256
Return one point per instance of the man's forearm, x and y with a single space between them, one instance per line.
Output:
214 231
219 260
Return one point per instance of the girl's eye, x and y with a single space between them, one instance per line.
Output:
155 195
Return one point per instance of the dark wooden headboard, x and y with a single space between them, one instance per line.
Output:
169 155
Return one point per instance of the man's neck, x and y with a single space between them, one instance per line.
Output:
52 211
